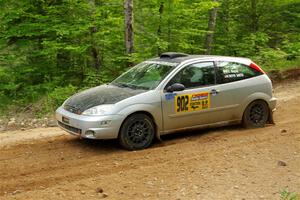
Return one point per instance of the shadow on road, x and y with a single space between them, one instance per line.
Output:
191 135
105 146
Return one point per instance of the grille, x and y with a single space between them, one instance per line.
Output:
72 109
70 128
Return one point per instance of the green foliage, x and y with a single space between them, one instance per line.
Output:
51 48
286 195
281 64
56 97
269 55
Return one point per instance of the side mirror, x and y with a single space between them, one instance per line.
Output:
175 87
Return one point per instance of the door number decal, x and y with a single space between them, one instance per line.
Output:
192 102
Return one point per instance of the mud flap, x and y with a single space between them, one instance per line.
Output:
158 137
271 118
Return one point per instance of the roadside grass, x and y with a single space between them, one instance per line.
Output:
287 195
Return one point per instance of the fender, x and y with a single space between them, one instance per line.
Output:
253 97
153 109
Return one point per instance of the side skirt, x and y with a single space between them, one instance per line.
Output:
217 124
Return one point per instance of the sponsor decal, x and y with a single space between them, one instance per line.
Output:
192 102
170 96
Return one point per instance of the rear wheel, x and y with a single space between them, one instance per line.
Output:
137 132
256 114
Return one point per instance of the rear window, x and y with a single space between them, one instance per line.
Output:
231 71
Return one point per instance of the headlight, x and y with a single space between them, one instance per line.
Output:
99 110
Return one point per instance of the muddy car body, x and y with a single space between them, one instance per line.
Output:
171 93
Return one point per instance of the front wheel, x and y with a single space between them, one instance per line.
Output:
137 132
256 114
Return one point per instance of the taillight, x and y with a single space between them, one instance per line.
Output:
256 68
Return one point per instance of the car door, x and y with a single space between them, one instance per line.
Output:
194 105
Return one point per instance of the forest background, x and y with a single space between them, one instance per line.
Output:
50 49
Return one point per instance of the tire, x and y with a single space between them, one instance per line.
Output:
256 114
137 132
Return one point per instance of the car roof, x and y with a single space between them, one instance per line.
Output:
185 57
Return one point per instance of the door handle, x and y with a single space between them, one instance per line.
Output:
214 92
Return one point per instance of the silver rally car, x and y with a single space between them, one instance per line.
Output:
171 93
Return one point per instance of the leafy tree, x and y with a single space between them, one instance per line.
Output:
51 46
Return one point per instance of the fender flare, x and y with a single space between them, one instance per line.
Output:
148 109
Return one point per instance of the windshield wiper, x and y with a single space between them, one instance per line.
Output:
138 87
123 85
126 85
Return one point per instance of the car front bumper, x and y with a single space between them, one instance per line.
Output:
92 127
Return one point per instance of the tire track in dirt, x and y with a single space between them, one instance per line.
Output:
73 168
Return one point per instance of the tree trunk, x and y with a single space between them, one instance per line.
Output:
159 35
96 57
128 11
94 50
254 17
170 10
211 29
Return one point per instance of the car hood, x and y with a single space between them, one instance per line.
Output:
103 94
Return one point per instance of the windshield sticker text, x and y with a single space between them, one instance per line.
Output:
240 75
162 63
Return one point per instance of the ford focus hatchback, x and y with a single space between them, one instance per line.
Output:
171 93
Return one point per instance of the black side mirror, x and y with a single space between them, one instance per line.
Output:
175 87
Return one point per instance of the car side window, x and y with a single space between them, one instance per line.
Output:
231 71
195 75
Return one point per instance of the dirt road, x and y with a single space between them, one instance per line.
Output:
221 163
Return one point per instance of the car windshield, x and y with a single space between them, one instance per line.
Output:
144 76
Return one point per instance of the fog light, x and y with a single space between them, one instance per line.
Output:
90 133
105 123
